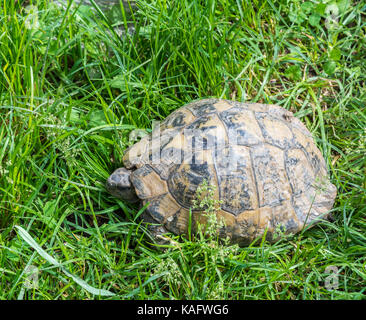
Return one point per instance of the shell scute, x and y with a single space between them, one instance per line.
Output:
147 183
242 127
235 179
270 175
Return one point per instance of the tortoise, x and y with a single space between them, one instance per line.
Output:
267 171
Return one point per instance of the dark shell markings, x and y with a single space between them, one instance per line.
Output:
266 168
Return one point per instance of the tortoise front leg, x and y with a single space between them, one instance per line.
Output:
156 229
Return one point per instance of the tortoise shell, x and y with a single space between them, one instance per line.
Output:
279 178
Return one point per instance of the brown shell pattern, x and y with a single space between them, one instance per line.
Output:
280 180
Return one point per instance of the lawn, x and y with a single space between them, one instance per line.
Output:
74 82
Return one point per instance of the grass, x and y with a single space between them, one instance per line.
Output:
73 84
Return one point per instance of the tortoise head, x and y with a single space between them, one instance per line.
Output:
120 186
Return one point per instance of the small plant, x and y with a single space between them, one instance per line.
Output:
170 271
205 202
211 245
198 262
280 233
